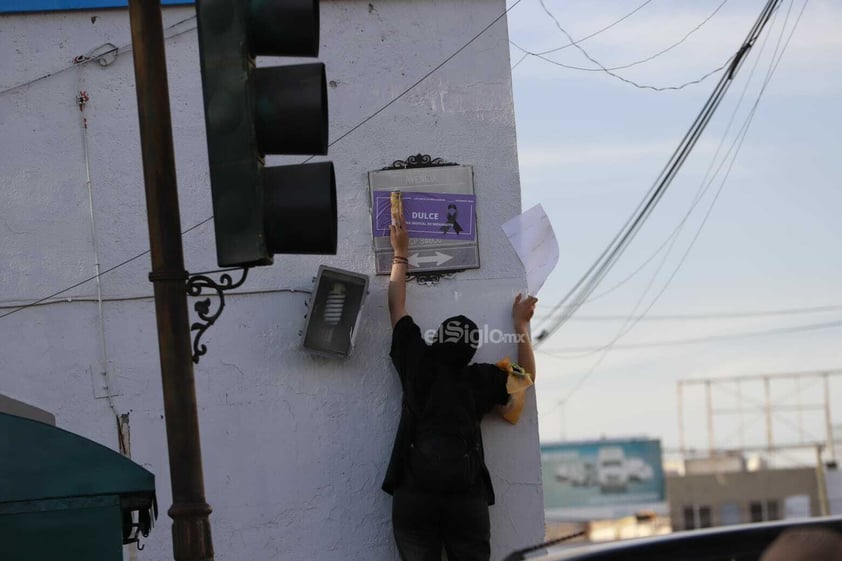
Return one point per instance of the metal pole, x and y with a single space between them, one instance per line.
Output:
740 407
799 409
768 408
191 526
821 483
682 444
828 420
709 405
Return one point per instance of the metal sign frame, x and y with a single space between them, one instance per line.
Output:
429 259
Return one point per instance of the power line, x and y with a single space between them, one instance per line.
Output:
561 351
740 138
428 74
520 60
738 143
698 80
526 54
705 185
597 32
95 55
92 300
663 51
713 315
354 128
89 279
631 321
597 271
603 68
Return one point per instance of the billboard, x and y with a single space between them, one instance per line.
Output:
602 479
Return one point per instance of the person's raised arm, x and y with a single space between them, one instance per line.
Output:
397 280
522 311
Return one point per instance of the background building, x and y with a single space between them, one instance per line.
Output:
295 446
719 498
624 488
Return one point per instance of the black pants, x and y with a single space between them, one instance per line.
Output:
424 522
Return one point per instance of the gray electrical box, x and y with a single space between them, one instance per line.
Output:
335 309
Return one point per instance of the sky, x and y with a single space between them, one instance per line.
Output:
758 222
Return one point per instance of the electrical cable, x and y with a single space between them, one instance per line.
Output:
597 271
638 85
106 271
71 287
632 320
100 56
741 135
427 75
583 39
597 32
639 268
354 128
603 68
587 351
714 315
672 238
521 59
560 352
91 300
703 187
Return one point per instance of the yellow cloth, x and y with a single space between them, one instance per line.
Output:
517 383
519 379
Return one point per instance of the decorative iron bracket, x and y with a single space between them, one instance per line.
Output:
195 285
419 161
431 278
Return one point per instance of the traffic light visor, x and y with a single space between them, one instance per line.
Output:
283 27
290 105
300 208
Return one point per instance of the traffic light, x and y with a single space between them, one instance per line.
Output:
250 112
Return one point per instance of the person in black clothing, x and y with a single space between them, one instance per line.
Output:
437 476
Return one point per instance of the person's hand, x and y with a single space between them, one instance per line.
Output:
522 310
399 237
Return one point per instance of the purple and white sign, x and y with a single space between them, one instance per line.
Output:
438 216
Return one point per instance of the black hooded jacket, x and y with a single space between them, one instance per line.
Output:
430 380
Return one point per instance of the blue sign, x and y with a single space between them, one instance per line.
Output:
12 6
602 479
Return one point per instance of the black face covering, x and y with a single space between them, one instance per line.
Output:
456 341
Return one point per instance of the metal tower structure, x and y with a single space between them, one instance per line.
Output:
778 399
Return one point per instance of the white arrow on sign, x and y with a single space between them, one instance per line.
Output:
439 259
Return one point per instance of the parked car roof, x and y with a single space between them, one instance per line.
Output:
744 542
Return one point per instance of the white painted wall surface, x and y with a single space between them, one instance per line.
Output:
295 447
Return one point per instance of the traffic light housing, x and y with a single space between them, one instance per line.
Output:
254 111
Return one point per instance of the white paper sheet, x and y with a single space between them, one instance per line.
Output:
532 238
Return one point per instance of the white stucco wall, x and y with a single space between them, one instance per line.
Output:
295 447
